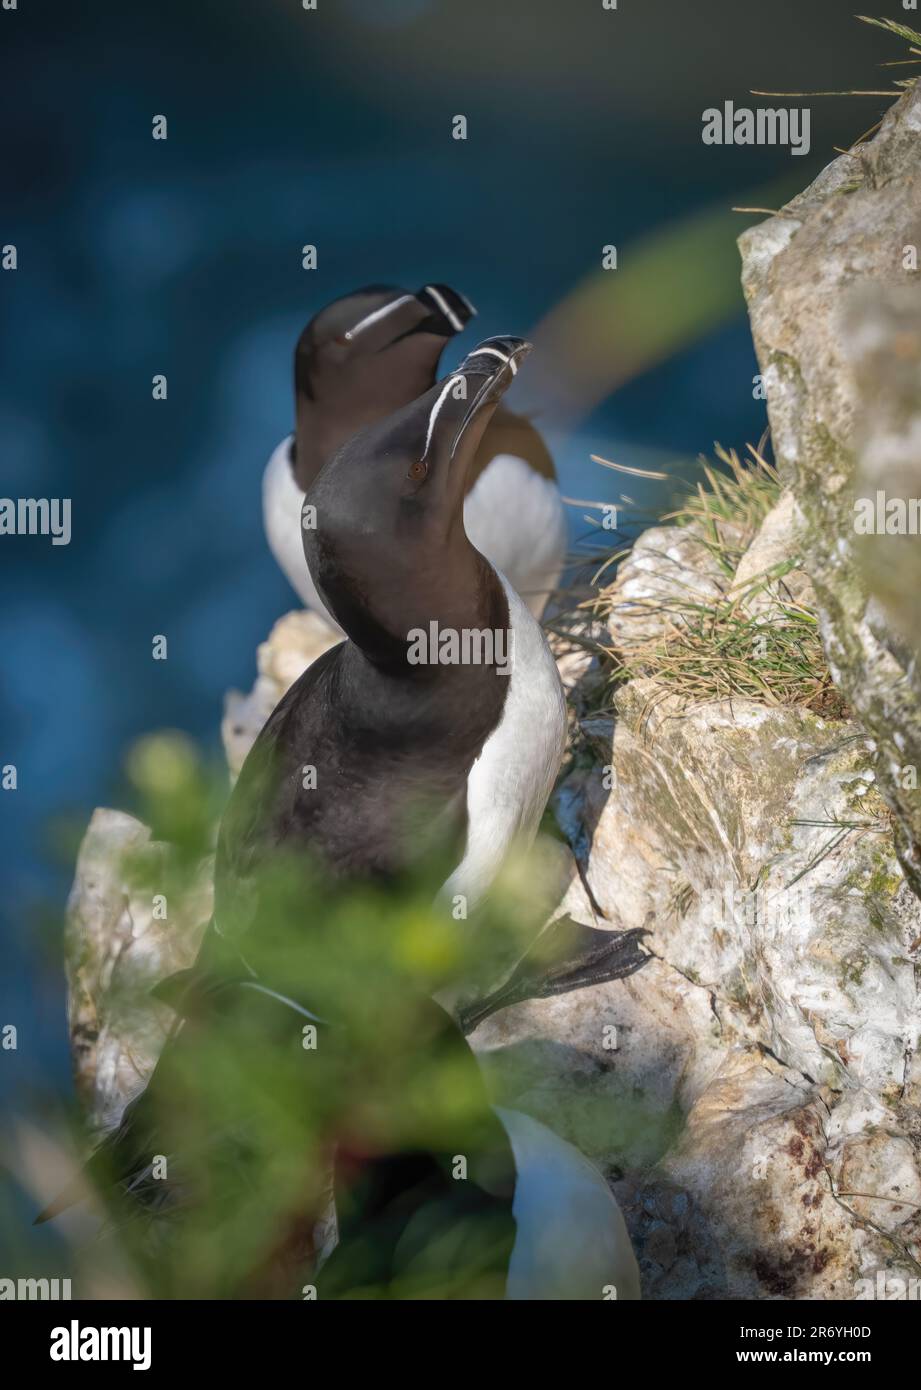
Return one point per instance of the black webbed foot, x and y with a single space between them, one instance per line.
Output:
566 956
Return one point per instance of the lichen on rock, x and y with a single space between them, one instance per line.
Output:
817 277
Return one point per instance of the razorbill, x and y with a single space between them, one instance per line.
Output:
477 743
390 558
364 357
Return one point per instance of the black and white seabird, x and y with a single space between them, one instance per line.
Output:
390 556
476 745
364 357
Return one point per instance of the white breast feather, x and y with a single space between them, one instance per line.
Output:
516 519
571 1240
512 778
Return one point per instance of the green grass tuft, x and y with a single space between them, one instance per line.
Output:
725 647
729 509
901 31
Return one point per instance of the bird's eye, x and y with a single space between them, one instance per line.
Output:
417 471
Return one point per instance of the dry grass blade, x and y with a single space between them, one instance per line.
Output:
852 93
625 468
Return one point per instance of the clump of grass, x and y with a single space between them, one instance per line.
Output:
728 509
727 646
720 651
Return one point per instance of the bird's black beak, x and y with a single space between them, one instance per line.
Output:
449 310
488 372
449 421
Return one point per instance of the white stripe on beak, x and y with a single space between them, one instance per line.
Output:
435 410
494 352
378 314
445 308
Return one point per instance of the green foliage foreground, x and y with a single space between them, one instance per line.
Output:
231 1147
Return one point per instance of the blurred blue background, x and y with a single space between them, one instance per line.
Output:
183 256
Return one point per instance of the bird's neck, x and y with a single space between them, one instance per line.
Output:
456 590
311 448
